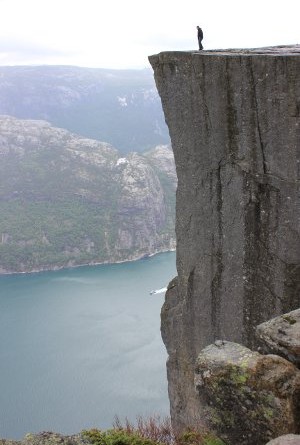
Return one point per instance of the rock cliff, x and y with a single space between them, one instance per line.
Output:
234 122
66 200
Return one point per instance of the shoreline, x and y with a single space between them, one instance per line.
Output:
57 268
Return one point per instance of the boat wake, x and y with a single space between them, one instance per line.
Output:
158 291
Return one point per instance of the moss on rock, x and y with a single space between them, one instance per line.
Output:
247 397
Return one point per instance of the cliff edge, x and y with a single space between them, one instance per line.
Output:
234 122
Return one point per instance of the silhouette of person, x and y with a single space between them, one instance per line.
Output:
200 37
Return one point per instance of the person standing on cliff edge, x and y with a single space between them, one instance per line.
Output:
200 37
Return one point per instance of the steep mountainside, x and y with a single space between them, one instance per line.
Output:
121 107
66 200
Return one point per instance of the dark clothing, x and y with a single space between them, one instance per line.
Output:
200 37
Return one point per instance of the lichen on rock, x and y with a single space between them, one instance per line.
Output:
248 398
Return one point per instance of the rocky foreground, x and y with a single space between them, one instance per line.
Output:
47 438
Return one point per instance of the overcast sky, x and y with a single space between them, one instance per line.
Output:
122 33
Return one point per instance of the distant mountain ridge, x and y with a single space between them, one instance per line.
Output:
121 107
66 200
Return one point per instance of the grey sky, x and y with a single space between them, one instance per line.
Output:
121 34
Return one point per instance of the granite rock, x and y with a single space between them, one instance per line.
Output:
281 336
47 438
288 439
234 122
247 398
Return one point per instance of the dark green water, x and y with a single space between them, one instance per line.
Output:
79 346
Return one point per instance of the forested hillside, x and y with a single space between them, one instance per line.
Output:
66 200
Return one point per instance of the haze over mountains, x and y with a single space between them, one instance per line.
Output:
121 107
67 199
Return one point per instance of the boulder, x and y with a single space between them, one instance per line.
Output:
47 438
281 336
288 439
247 398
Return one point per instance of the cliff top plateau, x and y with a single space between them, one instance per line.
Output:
281 50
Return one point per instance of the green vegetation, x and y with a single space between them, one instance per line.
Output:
66 201
197 438
116 437
51 233
152 431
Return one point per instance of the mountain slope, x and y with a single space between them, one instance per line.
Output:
66 200
121 107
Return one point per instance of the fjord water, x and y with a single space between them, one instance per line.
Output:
79 346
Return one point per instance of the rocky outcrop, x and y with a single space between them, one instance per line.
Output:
47 438
247 398
287 439
281 336
66 200
234 120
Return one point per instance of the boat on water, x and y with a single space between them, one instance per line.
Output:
158 291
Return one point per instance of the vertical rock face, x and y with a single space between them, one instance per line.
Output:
234 122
